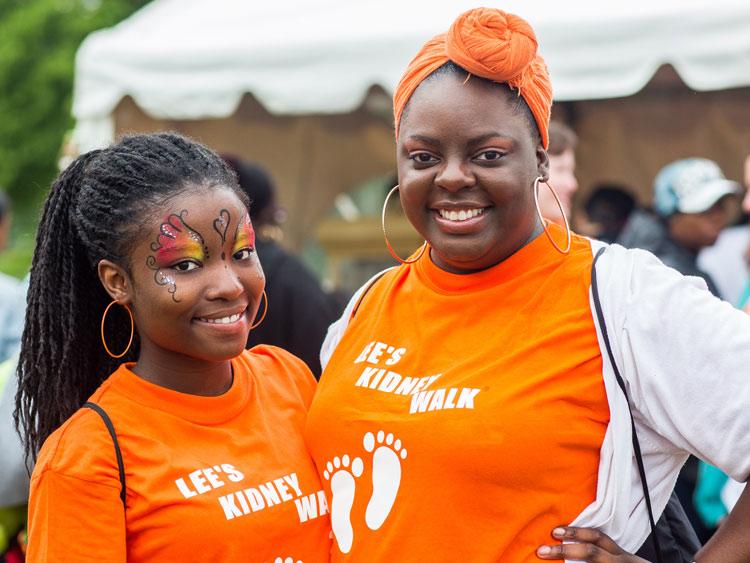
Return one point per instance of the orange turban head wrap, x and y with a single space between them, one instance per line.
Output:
491 44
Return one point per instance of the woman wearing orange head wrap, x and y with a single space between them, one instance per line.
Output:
468 404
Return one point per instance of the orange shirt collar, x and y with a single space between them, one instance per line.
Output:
538 253
201 410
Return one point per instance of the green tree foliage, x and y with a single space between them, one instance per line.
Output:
38 42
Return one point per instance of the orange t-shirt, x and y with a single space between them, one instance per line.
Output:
224 478
460 418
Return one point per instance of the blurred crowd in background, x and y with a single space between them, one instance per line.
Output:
692 215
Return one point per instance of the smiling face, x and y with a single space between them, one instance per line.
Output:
196 279
467 159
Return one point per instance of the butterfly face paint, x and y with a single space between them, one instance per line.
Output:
245 235
221 226
176 242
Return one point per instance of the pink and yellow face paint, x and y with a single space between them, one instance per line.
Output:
245 235
178 241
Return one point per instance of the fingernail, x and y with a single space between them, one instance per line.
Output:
544 550
558 532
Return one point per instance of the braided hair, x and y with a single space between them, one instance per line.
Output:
94 211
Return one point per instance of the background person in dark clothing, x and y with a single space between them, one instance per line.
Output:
299 311
693 203
606 210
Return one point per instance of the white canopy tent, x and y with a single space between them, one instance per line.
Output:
184 62
192 59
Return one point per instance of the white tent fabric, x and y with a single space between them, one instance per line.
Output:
190 59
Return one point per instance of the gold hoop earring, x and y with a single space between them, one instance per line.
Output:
265 310
132 330
385 235
544 221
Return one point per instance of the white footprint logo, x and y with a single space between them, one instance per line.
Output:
285 560
342 493
386 476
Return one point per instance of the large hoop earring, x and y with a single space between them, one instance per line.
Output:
544 221
385 235
132 330
265 310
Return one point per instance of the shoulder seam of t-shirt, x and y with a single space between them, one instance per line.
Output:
284 357
291 363
275 349
366 290
38 476
63 433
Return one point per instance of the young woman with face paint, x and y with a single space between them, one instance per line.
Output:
155 231
468 410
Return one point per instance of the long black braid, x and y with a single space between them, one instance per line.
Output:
94 211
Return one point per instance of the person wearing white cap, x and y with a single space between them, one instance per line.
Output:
693 203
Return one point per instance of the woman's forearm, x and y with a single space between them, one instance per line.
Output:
731 542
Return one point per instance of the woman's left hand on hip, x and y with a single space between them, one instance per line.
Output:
585 544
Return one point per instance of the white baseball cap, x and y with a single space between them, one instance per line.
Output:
691 185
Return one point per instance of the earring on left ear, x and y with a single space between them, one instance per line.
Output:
545 222
132 330
385 234
265 310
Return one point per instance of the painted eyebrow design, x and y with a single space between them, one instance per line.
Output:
221 224
244 234
175 236
181 247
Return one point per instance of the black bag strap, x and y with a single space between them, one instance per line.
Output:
110 427
621 383
366 290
